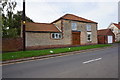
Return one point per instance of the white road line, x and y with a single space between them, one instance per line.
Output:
91 60
98 59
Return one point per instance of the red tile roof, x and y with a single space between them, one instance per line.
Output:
117 25
74 17
44 27
103 31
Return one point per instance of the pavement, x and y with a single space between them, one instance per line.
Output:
101 63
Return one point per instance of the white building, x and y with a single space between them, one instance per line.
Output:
116 30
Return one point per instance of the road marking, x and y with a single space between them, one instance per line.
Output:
91 60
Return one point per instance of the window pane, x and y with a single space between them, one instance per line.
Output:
56 35
88 27
89 39
89 36
53 36
74 26
59 36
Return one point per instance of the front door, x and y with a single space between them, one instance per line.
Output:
110 39
76 38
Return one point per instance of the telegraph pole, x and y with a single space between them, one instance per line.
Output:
24 37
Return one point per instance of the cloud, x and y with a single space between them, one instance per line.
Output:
42 12
105 13
119 11
69 0
45 11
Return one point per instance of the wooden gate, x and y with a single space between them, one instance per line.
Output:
76 38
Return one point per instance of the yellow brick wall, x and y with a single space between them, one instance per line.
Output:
39 39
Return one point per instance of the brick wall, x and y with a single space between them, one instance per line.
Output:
101 39
43 39
82 27
11 44
54 46
46 47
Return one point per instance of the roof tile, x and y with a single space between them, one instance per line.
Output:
117 25
103 31
74 17
44 27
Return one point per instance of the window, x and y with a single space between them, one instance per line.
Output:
88 27
74 26
112 29
56 35
89 36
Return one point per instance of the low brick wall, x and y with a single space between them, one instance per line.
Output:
15 44
11 44
46 47
54 46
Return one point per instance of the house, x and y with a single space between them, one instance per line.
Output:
105 36
67 30
116 30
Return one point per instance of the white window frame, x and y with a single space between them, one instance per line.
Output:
88 27
56 35
74 26
89 33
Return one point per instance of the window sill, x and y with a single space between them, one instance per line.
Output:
89 41
89 31
57 39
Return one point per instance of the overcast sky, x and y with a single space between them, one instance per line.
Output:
45 11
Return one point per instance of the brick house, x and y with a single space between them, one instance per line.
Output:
67 30
116 30
105 36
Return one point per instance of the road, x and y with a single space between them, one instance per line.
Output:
95 64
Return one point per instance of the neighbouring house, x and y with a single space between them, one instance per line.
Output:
67 30
105 36
116 30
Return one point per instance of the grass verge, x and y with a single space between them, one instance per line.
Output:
33 53
117 42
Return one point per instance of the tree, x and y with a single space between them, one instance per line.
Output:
7 19
11 23
18 19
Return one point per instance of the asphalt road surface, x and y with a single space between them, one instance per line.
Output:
95 64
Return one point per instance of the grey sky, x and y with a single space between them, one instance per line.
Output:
45 11
119 11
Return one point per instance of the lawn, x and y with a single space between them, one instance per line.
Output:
33 53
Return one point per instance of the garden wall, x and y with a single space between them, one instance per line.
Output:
11 44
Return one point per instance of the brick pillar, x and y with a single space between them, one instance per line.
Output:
62 25
62 28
